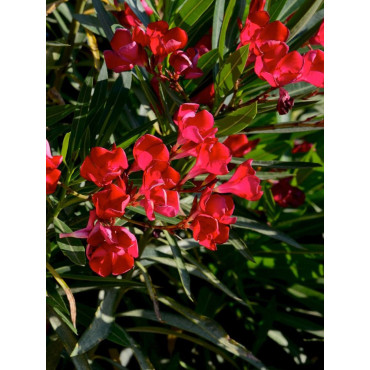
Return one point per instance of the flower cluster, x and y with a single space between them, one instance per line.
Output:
111 249
273 61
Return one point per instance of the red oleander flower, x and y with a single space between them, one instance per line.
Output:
112 201
212 158
205 96
185 63
318 39
52 173
244 183
126 52
160 39
194 128
286 195
204 45
147 8
157 182
280 72
301 147
210 225
239 145
127 17
102 166
111 250
147 150
313 68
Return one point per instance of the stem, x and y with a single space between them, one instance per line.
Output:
64 61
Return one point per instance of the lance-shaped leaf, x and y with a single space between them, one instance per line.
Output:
100 326
106 19
91 23
183 272
218 16
229 72
189 12
236 121
247 223
67 337
56 113
71 247
225 25
240 246
278 164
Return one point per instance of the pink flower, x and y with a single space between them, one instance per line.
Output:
147 8
243 183
52 173
239 145
185 63
286 195
126 52
102 166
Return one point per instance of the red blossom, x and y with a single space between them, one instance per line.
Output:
52 173
112 201
194 127
239 145
147 150
126 52
313 68
256 5
127 17
285 102
102 166
286 195
160 39
111 250
185 63
318 39
244 183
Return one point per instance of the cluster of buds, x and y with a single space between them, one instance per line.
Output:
273 61
111 249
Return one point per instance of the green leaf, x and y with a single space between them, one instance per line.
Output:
240 246
183 272
236 121
106 19
302 16
218 16
214 331
132 136
71 247
113 108
64 151
230 71
90 22
80 117
285 128
225 25
56 113
67 337
276 8
189 12
249 224
100 89
141 211
138 9
100 326
278 164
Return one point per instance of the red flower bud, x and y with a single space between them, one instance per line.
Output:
185 63
286 195
285 102
102 166
301 147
